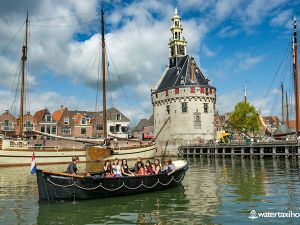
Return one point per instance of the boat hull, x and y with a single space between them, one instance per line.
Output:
54 186
42 157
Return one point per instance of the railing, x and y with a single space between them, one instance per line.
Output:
243 143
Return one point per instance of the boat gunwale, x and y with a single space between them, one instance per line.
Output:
185 166
40 150
127 148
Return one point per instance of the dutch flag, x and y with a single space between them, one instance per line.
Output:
33 166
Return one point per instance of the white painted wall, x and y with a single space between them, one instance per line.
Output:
119 134
180 129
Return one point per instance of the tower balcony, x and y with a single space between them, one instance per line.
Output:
177 39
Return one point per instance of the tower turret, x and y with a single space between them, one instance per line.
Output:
177 44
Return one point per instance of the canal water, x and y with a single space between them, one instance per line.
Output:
214 191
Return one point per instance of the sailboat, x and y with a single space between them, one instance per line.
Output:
286 128
133 149
17 152
282 130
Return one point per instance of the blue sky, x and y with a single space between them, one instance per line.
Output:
233 41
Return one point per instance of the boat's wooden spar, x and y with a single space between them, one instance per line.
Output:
84 140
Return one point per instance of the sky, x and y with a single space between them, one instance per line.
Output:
235 42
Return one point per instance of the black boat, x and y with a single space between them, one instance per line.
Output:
63 186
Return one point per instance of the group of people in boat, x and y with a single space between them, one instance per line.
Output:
119 168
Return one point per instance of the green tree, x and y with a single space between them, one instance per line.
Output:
244 118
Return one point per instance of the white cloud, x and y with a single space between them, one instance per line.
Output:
263 104
283 18
228 31
227 101
247 61
208 52
225 8
256 10
50 100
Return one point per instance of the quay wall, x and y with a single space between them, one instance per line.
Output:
274 149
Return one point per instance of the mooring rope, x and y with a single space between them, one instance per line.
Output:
122 185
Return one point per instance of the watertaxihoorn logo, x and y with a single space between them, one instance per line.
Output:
290 214
253 215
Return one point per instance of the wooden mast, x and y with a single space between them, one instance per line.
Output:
103 77
245 91
24 58
287 110
282 103
296 85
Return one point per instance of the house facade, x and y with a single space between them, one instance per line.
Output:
138 130
82 126
45 123
8 123
65 123
117 123
29 124
97 125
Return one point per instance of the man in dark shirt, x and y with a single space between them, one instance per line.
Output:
72 168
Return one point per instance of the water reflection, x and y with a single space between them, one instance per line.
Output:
142 208
214 191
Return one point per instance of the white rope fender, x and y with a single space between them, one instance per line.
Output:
122 185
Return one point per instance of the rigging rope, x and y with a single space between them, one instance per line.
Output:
264 100
61 17
98 81
284 72
109 86
12 39
13 107
120 83
65 26
83 71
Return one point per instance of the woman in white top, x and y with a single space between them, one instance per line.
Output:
116 167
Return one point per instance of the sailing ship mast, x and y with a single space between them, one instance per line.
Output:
103 77
245 91
295 67
287 109
24 58
282 103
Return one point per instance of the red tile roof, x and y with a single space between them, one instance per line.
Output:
58 114
78 117
38 116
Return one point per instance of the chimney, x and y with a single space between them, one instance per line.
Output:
62 106
7 111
